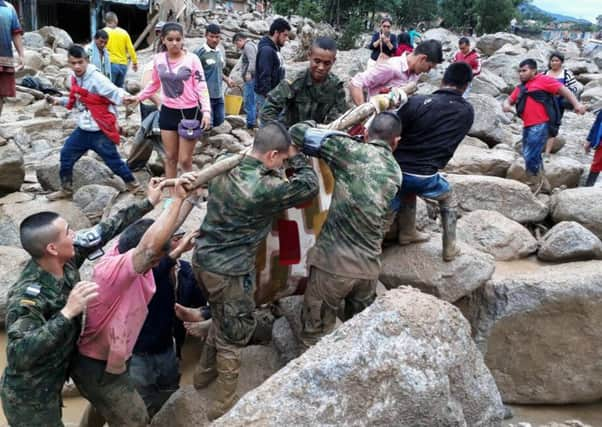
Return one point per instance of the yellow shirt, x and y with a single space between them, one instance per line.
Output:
120 46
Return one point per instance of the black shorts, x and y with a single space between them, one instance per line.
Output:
169 118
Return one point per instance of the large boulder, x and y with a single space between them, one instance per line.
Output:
581 205
56 37
407 360
17 212
569 241
33 40
493 233
12 170
257 27
471 160
94 199
489 43
87 171
592 94
188 406
12 262
559 170
421 266
511 198
488 83
487 124
539 329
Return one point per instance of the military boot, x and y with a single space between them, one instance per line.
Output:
205 371
225 396
448 225
406 224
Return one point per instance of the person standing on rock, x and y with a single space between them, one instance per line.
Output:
240 210
594 141
383 43
396 71
10 33
344 264
469 56
433 127
249 57
314 94
99 55
269 64
95 97
213 63
115 317
43 308
121 50
535 104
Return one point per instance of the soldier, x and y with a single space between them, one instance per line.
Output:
314 94
344 264
240 210
42 320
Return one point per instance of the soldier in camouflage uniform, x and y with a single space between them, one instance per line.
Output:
240 210
314 94
43 308
344 264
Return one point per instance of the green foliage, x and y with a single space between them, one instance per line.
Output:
410 12
352 30
493 15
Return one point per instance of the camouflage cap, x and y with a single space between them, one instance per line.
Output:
297 131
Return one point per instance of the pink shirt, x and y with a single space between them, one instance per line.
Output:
115 318
182 83
393 72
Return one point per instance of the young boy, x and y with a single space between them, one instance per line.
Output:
95 97
531 108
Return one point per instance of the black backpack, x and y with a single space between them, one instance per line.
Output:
544 98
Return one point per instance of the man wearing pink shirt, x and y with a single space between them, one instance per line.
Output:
115 318
396 71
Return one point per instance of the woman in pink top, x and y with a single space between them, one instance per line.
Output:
180 76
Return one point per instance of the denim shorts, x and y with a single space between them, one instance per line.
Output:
430 187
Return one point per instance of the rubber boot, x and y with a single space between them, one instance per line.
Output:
406 224
66 192
448 225
591 178
228 368
206 370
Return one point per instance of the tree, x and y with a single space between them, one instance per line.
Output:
410 12
493 15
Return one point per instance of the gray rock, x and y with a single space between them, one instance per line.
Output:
33 40
471 160
581 205
257 27
407 352
224 128
87 171
33 60
421 266
12 170
12 262
284 340
538 328
569 241
493 233
559 170
487 120
56 37
17 212
237 122
592 94
489 43
511 198
94 199
581 65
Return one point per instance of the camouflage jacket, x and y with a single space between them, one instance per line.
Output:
367 178
41 341
240 210
301 99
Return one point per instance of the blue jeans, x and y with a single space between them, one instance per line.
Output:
155 376
534 140
217 111
248 92
81 141
118 72
430 187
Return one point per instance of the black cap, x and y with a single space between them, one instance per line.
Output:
213 29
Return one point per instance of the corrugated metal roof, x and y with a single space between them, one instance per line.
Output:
143 3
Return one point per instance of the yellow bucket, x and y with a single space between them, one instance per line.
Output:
233 104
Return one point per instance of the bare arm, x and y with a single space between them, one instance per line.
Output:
357 94
18 41
566 93
508 103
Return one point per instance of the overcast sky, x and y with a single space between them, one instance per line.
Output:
586 9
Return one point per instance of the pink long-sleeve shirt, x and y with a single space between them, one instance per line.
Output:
393 72
182 83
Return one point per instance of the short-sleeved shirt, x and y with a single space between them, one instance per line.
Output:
9 26
535 112
114 319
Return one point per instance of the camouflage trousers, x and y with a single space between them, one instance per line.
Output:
323 297
21 409
113 397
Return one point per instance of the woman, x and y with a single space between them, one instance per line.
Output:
383 43
403 44
564 76
180 77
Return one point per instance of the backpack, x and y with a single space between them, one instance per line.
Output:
544 98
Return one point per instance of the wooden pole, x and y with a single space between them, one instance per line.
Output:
150 25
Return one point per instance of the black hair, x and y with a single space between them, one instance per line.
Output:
273 136
213 29
279 25
385 126
432 49
77 51
464 40
404 38
238 36
529 62
325 43
457 75
36 231
386 19
131 236
101 34
167 28
556 54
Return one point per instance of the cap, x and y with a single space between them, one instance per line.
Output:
213 29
